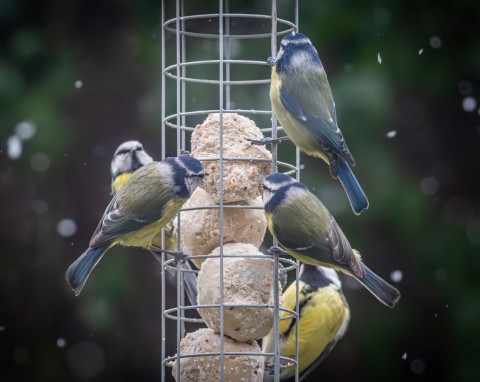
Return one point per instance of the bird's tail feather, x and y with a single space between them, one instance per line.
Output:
77 273
355 194
382 290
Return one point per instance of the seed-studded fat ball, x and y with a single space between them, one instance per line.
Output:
207 369
247 280
242 180
200 229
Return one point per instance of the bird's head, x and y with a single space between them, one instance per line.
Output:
187 173
296 54
278 188
128 157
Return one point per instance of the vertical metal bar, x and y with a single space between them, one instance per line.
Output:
227 52
276 310
178 108
297 151
180 273
178 71
184 72
297 20
297 315
221 107
273 52
162 20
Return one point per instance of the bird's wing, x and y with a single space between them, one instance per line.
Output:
123 218
309 99
316 236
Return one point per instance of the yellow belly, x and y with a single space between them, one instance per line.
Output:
144 237
321 320
119 181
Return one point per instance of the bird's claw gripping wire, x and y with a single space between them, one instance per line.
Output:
277 251
180 257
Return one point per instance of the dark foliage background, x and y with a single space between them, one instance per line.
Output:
423 183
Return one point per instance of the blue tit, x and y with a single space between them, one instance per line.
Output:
324 317
141 208
306 230
303 103
128 158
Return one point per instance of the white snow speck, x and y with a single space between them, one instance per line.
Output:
420 51
435 42
78 84
2 328
469 104
379 58
66 227
14 147
61 342
25 130
392 134
404 356
396 276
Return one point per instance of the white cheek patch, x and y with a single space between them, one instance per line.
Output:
266 196
294 192
332 275
300 59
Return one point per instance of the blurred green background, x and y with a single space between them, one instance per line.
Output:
77 78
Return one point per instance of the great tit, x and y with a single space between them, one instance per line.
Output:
323 320
139 210
308 232
303 103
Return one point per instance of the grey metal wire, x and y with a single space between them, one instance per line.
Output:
178 72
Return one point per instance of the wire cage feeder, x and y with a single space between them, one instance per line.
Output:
205 73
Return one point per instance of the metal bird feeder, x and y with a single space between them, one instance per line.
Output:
216 69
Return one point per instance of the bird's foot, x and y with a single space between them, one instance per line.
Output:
271 61
180 257
268 141
276 251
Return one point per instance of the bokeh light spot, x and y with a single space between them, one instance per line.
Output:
39 162
66 227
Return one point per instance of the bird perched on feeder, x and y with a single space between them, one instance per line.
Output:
139 210
303 103
308 232
323 320
128 158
